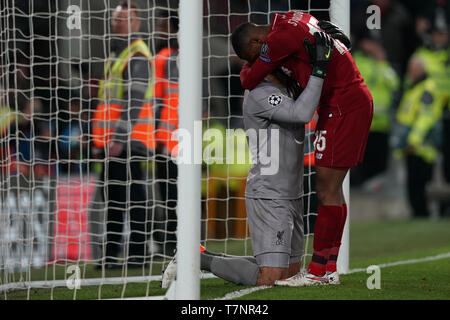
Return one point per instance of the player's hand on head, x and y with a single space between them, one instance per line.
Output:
324 46
335 32
320 53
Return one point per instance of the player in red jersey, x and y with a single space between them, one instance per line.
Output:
345 115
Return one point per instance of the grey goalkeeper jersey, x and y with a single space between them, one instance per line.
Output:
275 127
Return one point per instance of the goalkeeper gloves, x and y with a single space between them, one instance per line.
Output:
336 33
320 53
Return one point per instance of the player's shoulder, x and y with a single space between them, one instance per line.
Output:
291 20
265 95
264 89
285 31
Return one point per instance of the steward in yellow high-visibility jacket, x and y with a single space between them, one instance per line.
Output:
418 132
125 112
123 127
436 57
419 115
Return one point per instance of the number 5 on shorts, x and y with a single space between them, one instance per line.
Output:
320 141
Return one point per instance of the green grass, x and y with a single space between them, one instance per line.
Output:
383 241
421 281
371 242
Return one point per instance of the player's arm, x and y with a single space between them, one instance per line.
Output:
277 47
272 104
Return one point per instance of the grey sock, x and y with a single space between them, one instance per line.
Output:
205 261
237 270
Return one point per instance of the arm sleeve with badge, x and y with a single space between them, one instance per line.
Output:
270 103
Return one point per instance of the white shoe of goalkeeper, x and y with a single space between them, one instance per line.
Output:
169 273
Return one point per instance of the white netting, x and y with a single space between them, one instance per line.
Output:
53 216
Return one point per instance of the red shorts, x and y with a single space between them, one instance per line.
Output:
340 140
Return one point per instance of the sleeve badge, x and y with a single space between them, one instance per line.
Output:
275 100
263 55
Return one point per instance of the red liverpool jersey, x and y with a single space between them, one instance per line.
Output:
343 87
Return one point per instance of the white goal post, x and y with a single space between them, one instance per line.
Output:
189 175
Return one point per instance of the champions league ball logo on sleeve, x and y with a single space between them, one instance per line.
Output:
275 100
264 51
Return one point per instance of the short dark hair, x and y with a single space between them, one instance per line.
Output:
239 37
130 5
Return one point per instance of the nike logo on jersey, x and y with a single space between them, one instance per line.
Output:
328 54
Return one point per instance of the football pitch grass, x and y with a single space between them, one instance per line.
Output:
383 243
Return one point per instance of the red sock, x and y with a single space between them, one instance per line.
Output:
333 254
325 230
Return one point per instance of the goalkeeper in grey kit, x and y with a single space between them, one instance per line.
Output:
274 187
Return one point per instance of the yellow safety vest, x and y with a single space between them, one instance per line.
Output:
111 93
420 111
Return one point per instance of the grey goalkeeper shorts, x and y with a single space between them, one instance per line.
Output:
276 230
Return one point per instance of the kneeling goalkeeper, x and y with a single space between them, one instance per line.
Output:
274 200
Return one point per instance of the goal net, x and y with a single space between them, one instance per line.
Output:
76 213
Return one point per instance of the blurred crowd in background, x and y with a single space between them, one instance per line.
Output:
405 63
